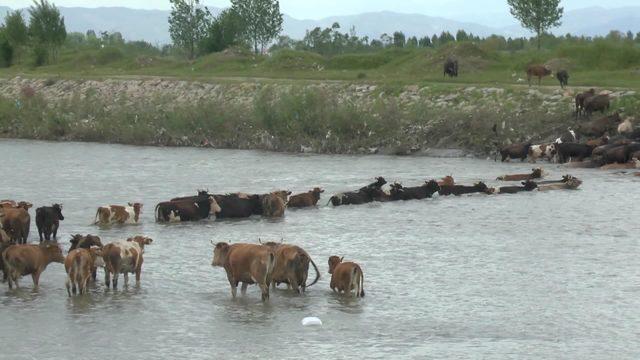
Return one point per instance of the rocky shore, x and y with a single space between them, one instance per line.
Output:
320 117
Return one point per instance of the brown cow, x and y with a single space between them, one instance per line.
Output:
538 71
601 126
292 267
447 181
633 164
16 221
274 204
79 265
86 242
307 199
346 276
124 257
247 264
603 140
20 260
515 151
117 214
535 174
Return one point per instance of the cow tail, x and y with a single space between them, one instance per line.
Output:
97 219
157 213
271 263
361 282
317 273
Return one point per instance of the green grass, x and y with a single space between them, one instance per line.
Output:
598 64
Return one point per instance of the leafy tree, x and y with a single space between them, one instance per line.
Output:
461 35
537 15
412 42
446 37
223 32
262 20
399 39
15 29
46 28
188 24
6 50
425 42
435 42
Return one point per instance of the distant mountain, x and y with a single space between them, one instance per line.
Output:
378 23
152 25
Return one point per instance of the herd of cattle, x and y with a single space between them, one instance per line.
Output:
608 142
268 264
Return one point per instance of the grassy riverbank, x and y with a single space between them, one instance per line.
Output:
324 117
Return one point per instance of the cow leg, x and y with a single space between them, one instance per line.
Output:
243 289
114 282
10 280
94 273
68 286
138 271
126 279
55 232
36 278
265 291
293 283
107 278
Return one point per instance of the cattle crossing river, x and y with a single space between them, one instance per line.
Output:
532 275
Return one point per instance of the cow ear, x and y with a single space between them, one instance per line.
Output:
342 258
130 204
260 241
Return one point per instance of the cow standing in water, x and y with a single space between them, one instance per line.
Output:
346 276
21 260
116 214
124 257
307 199
247 264
79 265
15 220
48 221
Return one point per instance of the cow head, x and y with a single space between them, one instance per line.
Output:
141 240
536 173
432 186
58 210
52 251
220 254
447 181
482 187
333 262
380 182
317 191
137 208
529 185
25 205
96 256
214 208
396 189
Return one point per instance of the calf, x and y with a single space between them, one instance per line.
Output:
543 151
459 190
527 186
116 214
535 174
187 210
307 199
398 192
48 221
21 260
86 242
515 151
346 276
291 267
563 78
124 257
365 195
567 151
567 183
247 264
79 265
538 71
16 221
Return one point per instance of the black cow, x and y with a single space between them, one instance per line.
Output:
458 190
398 192
568 151
186 210
48 220
515 151
234 206
527 186
563 77
451 68
367 194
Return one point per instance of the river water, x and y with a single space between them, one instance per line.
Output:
536 275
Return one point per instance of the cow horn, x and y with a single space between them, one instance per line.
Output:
212 243
260 240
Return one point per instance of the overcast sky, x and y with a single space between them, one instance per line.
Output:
315 9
